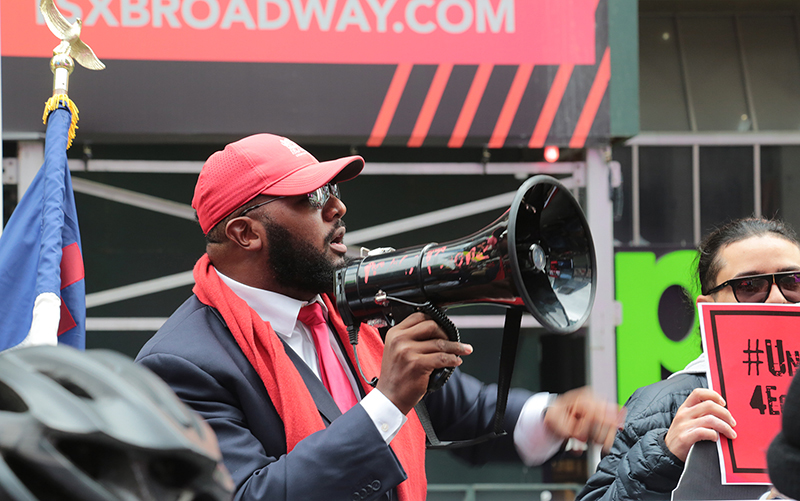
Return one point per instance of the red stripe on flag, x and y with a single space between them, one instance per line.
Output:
66 322
71 265
430 105
389 106
551 105
470 107
592 103
511 106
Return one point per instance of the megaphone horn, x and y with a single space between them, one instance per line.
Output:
538 255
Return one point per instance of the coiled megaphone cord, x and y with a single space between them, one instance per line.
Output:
439 376
352 333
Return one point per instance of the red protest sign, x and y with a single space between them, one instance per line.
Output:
753 352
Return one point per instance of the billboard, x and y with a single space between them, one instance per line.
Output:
318 31
493 73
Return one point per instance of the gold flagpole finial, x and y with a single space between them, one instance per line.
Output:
62 63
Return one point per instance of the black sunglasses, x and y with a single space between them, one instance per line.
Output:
755 289
317 198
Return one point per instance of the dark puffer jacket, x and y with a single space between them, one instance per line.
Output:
639 466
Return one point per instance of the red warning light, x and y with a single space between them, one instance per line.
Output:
551 153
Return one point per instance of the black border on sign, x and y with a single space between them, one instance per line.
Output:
713 315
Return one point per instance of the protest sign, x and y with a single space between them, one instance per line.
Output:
753 352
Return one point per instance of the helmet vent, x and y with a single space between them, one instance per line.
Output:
70 386
173 471
41 486
10 401
93 459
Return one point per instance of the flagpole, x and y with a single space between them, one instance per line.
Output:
2 203
41 261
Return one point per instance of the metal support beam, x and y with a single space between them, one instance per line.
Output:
602 357
31 158
635 198
574 169
772 138
757 180
696 226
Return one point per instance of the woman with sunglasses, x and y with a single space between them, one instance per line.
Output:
750 260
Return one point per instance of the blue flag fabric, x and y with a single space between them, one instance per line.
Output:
41 256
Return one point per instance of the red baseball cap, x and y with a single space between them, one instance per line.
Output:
262 164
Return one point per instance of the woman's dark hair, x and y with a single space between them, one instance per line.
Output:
708 264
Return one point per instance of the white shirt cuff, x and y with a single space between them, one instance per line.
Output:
387 417
535 443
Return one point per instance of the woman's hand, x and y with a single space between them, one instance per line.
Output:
702 416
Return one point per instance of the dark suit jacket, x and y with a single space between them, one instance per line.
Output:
197 356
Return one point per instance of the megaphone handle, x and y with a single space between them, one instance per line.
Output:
400 309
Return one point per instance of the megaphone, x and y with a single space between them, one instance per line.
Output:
538 256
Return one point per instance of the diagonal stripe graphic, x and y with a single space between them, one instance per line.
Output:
592 103
551 105
470 107
511 106
389 106
431 104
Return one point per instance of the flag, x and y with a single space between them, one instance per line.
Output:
42 289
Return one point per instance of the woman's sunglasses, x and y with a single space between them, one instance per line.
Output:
317 198
755 289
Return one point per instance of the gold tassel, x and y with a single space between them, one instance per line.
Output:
53 103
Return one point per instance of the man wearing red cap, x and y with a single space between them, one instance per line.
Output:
260 351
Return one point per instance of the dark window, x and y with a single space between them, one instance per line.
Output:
665 195
780 183
714 70
726 185
662 98
770 47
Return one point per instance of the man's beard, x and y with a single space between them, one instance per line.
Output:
298 264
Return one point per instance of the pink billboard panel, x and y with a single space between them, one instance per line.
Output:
502 32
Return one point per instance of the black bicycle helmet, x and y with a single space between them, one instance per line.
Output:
85 426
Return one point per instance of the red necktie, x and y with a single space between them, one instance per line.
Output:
330 369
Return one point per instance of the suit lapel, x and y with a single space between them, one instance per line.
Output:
325 404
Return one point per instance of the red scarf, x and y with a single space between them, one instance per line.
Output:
285 386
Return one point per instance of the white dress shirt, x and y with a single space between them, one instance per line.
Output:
535 443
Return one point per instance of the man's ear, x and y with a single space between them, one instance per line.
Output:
246 233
